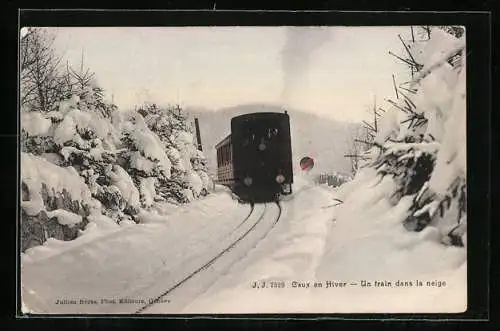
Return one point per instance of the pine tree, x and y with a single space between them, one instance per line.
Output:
421 153
189 166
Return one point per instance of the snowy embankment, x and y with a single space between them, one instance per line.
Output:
314 241
131 261
341 246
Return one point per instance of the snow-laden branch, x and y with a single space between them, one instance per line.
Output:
460 46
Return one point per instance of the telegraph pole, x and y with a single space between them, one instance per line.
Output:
198 136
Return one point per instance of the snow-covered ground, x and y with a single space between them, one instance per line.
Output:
315 241
340 247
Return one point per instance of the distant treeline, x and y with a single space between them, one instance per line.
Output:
331 179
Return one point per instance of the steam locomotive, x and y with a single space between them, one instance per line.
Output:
255 159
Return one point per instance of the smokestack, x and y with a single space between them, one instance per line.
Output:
198 136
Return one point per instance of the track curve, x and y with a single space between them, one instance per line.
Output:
246 234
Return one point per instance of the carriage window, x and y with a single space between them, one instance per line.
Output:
271 132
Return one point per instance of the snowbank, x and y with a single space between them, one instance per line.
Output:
152 153
34 123
77 122
36 171
358 242
114 261
150 146
368 242
65 217
122 180
148 191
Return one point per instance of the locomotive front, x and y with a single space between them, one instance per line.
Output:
262 159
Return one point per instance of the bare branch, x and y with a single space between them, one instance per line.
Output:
369 126
418 66
404 60
396 105
406 89
364 141
394 83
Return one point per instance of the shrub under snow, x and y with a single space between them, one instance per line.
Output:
55 201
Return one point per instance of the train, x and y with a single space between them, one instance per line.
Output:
255 159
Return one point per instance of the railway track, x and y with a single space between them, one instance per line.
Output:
262 222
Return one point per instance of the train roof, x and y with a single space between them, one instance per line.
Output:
224 141
248 116
259 115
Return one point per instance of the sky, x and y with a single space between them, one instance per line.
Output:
331 71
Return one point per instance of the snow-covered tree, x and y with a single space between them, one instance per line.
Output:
124 161
83 83
142 155
189 178
87 142
421 139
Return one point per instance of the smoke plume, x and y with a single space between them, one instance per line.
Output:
300 43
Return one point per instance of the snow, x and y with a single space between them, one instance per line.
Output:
23 32
52 157
146 142
195 182
333 250
96 153
451 158
77 121
55 116
441 98
175 157
430 147
99 226
34 123
184 143
388 125
36 171
439 46
139 162
151 147
360 239
67 105
121 179
67 151
65 217
205 179
127 260
148 191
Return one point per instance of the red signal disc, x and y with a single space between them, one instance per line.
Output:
306 163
